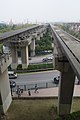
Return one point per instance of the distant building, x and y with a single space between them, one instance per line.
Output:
11 23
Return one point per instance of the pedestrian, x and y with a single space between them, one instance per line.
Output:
11 86
11 92
29 93
36 89
19 92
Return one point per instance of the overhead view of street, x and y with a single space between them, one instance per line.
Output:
42 79
39 60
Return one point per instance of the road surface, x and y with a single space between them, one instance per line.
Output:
36 59
42 79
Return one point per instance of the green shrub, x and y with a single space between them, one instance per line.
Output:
36 66
19 67
45 43
40 66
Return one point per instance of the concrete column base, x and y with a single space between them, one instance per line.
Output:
64 109
24 66
14 66
32 53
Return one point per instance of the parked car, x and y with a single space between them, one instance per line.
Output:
56 80
30 58
44 60
47 59
50 58
12 84
12 74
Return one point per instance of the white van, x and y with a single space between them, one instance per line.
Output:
12 74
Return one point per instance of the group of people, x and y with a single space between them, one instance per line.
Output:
19 91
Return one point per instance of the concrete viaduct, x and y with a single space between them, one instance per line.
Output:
67 61
19 38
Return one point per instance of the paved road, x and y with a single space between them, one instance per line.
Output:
36 59
39 76
42 79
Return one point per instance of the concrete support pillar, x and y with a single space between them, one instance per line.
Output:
38 37
66 87
66 84
5 92
41 35
24 57
14 57
32 47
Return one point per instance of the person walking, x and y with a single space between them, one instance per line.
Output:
29 93
19 92
36 89
11 92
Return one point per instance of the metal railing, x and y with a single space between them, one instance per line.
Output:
31 86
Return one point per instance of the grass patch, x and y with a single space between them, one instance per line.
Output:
75 105
32 110
39 110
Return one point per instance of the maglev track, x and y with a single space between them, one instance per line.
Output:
72 43
70 46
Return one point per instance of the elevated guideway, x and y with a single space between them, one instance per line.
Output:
70 46
67 61
4 37
18 39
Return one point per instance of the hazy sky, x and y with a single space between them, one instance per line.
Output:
40 10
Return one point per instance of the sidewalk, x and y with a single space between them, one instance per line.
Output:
48 92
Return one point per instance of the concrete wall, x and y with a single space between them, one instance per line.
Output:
5 94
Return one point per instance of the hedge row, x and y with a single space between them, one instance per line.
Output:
36 66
